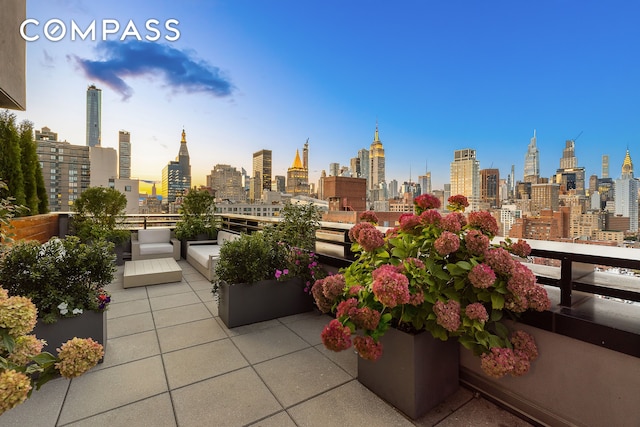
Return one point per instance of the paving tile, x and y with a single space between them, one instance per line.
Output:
129 348
300 375
249 329
131 294
193 275
174 300
446 408
189 334
310 327
348 405
480 412
41 409
234 399
155 411
200 285
281 419
187 366
346 359
167 289
268 343
128 308
129 325
178 315
106 389
212 306
205 295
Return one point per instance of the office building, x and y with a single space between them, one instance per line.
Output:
605 166
489 187
544 196
363 156
226 183
94 116
262 166
355 168
124 154
297 177
626 194
377 162
425 183
176 175
465 176
13 78
532 161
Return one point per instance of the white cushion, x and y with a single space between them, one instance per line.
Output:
156 248
201 253
156 235
225 236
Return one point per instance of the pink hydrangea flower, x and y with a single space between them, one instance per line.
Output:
335 336
426 201
526 343
347 307
521 248
332 286
447 314
482 276
367 348
417 298
369 216
447 243
370 239
498 362
390 287
499 260
430 217
476 242
484 221
77 356
451 222
476 311
366 318
392 232
409 222
458 202
355 231
538 298
521 363
354 290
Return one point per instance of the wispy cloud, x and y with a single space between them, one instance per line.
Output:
180 70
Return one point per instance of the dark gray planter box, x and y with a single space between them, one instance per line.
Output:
415 373
244 303
90 324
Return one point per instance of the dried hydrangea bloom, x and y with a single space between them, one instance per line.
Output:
77 356
521 248
484 221
390 287
369 216
26 347
498 362
457 202
332 286
499 260
538 298
526 343
426 201
335 336
366 318
482 276
18 315
521 363
476 242
14 389
451 222
370 239
447 243
409 222
431 218
367 348
448 314
476 311
347 308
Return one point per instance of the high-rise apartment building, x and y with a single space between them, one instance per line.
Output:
626 194
490 187
532 161
262 165
176 175
363 155
355 167
425 183
605 166
544 196
226 181
334 169
65 169
377 162
124 155
465 176
94 116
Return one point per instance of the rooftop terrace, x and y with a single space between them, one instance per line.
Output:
170 361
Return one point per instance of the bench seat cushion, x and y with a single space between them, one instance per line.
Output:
156 248
201 253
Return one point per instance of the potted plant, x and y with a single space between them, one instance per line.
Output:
435 273
65 279
99 215
23 364
197 220
266 275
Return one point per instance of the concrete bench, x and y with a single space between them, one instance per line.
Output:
203 255
151 272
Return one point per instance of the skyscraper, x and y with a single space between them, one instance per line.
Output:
489 187
532 162
569 159
226 181
626 194
176 176
376 170
570 177
94 116
297 177
124 154
605 166
262 166
465 176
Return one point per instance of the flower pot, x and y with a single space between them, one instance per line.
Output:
415 373
90 324
244 303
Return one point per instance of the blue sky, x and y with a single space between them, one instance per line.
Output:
436 75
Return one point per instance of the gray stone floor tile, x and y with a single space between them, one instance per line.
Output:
129 348
346 359
268 343
192 275
201 285
446 408
297 317
281 419
178 315
300 375
189 334
106 389
212 306
128 308
41 409
480 412
168 289
348 405
234 399
156 411
131 294
193 364
205 295
175 300
129 325
310 327
248 329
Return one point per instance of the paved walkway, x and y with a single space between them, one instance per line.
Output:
170 361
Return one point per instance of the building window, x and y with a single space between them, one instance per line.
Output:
53 157
53 149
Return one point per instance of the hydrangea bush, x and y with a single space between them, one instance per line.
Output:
23 365
437 273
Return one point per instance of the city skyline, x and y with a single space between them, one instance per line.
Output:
436 77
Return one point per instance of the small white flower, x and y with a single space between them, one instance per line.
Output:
77 311
63 308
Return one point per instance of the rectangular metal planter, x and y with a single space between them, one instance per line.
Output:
90 324
415 373
245 303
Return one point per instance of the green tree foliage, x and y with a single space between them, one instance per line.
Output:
10 164
41 190
99 213
198 215
29 160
